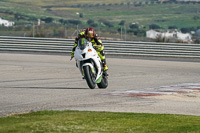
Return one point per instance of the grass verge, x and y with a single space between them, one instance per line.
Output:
85 121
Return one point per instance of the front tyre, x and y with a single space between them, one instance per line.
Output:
89 76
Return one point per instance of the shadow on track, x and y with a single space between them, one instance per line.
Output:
51 88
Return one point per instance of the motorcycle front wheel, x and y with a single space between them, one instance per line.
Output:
89 76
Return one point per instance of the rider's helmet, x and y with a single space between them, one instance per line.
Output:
82 30
89 33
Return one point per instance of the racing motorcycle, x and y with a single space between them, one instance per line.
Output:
90 64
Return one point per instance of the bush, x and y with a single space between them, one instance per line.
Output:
134 26
172 27
75 22
109 24
81 15
141 33
196 17
130 31
197 41
188 29
48 20
122 23
62 21
90 21
94 25
154 26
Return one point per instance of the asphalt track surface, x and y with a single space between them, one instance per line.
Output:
32 82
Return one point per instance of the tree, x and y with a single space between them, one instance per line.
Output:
184 30
31 18
141 33
109 24
128 4
61 21
66 22
75 22
17 16
48 20
188 29
122 22
81 15
196 17
121 3
90 21
154 26
94 25
172 27
134 26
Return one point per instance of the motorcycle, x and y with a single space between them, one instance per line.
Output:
90 64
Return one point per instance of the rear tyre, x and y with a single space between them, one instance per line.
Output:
104 83
89 76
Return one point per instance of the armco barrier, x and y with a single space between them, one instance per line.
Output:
56 45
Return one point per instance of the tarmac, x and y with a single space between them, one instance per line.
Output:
33 82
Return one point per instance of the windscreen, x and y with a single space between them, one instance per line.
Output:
82 43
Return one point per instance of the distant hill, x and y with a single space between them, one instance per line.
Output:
116 17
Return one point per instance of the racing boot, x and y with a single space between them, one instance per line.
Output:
105 67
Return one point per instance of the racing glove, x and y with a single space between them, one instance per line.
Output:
97 47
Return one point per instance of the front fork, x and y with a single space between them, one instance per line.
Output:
91 67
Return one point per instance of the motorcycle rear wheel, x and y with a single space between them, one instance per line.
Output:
104 83
90 79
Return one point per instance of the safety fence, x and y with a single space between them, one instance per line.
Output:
122 48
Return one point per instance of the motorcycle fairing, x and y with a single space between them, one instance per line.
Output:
83 57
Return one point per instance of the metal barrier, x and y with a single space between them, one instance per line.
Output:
56 45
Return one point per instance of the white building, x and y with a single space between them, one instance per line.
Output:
152 34
6 23
185 37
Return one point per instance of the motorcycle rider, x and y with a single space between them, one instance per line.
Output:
90 35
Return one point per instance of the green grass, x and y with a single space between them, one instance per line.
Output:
164 15
23 9
67 2
85 122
